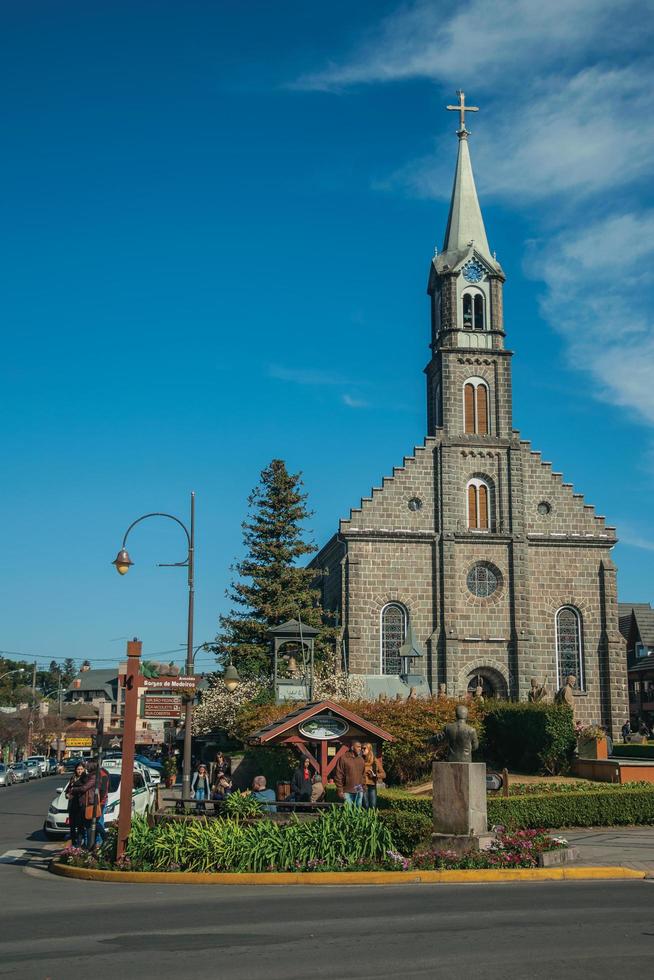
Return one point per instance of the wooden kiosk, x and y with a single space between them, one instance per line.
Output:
321 732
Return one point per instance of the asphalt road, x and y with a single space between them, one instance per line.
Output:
55 928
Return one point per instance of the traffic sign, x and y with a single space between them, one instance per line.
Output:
164 706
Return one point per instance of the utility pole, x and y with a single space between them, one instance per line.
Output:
30 724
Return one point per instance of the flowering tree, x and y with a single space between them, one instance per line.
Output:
219 708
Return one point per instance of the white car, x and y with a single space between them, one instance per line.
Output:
41 762
57 823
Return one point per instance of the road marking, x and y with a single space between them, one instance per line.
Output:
10 857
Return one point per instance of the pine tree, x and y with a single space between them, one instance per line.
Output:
271 588
68 671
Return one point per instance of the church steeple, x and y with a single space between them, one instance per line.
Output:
465 225
465 285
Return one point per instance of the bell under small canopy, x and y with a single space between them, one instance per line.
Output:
410 648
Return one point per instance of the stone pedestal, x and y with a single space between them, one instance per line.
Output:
459 807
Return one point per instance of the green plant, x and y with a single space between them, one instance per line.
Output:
598 805
344 835
242 805
410 829
531 738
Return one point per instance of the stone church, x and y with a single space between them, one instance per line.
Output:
474 563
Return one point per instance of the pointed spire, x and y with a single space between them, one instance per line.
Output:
465 223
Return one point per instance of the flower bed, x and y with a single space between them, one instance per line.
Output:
345 839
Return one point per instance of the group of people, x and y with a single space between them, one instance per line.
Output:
213 782
356 775
642 728
83 805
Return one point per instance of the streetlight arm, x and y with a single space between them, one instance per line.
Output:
18 670
159 514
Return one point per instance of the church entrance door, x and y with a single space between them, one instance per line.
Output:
491 682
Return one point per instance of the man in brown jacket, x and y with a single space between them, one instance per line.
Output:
349 775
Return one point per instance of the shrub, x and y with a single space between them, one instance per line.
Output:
531 738
341 836
414 723
410 829
643 751
603 805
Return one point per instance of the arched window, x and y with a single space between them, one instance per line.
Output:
467 311
569 645
474 317
479 517
475 407
394 619
479 311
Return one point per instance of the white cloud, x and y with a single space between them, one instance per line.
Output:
599 292
484 42
305 376
353 402
579 135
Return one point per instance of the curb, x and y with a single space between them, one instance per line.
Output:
348 877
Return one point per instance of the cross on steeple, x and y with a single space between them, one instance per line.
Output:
462 108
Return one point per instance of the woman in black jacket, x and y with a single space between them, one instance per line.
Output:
302 782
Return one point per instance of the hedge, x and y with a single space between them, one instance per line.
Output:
634 751
530 738
413 723
606 807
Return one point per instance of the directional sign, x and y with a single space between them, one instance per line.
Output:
166 706
169 683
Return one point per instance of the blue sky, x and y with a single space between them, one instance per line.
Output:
218 220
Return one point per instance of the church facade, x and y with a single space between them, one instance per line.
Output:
474 548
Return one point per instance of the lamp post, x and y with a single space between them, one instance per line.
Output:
123 563
18 670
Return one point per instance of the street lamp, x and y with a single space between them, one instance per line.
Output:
18 670
231 678
123 563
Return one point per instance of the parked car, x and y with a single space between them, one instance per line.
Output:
71 764
41 762
7 777
151 771
150 763
57 823
19 770
33 769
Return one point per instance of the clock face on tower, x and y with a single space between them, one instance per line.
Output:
473 271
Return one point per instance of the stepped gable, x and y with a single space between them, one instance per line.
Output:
387 508
569 515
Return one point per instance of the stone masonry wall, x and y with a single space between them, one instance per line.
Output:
387 507
560 576
383 571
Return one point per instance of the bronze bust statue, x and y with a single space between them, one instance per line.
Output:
461 738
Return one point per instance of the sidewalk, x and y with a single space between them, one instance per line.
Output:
629 847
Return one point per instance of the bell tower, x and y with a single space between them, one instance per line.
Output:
465 288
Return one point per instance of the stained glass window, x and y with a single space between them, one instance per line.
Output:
569 645
482 580
393 635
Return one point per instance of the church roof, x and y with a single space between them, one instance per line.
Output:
465 232
644 615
